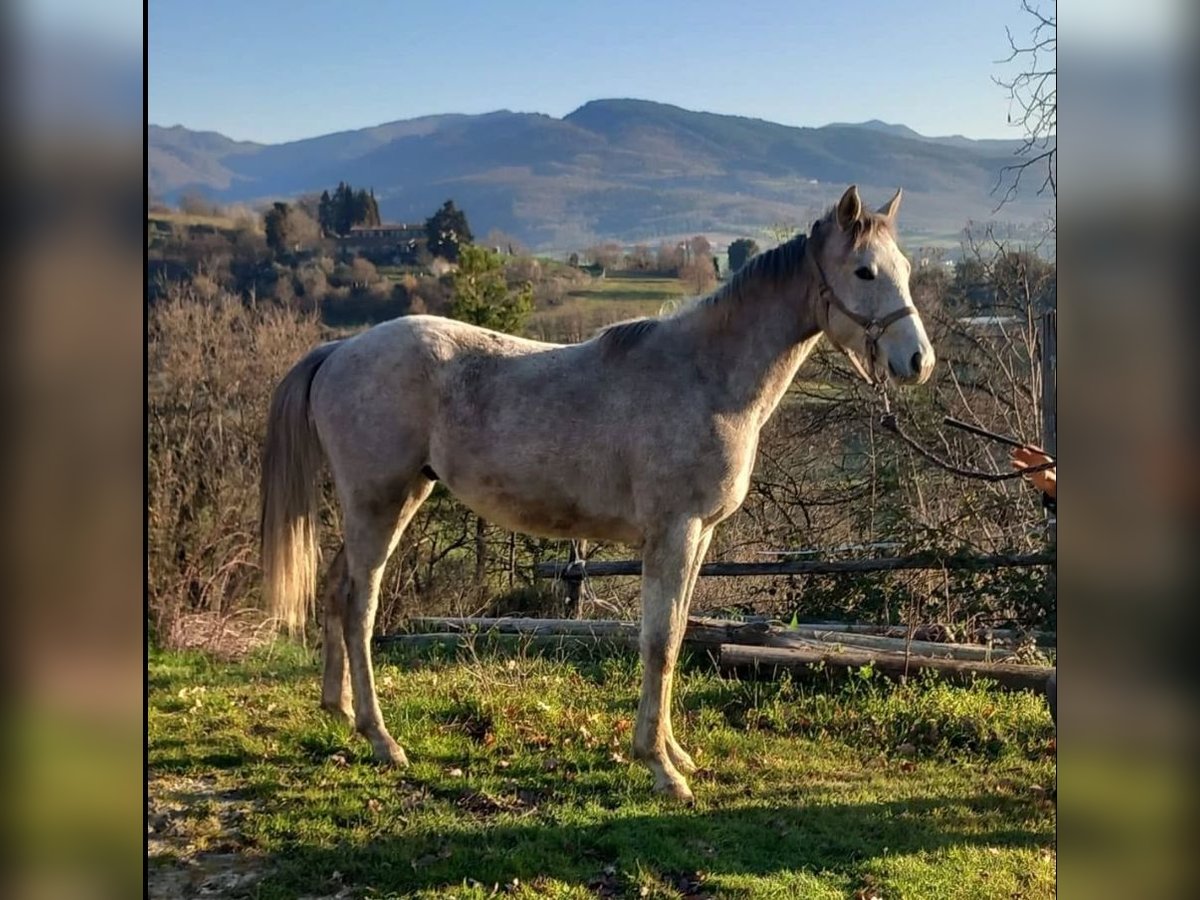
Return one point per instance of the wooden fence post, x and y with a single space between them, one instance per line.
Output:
573 576
1049 348
1050 381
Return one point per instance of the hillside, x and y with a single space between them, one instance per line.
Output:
625 169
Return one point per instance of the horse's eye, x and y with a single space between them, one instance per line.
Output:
864 273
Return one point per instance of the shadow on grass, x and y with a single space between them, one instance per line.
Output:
833 839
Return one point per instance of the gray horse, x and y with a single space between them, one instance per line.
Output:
655 430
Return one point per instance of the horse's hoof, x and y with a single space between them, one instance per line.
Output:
676 790
391 754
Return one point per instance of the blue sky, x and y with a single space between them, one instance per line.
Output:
272 71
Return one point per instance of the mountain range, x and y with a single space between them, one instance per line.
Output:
630 170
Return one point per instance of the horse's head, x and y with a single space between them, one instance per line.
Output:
865 307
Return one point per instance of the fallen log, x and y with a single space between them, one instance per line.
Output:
894 644
757 661
454 640
699 630
930 632
703 631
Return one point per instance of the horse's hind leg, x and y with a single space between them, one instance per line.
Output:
373 527
336 697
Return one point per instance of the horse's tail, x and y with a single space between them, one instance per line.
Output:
290 496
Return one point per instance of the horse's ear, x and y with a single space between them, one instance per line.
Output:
889 209
849 208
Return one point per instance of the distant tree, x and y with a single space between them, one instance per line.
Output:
275 226
338 213
740 252
447 231
303 230
697 273
696 264
482 295
641 258
669 258
325 214
609 254
573 260
504 242
698 247
289 228
311 204
369 208
194 203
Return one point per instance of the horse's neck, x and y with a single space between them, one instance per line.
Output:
757 344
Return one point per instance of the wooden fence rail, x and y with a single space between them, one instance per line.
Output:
606 568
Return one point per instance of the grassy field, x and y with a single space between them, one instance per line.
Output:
221 223
521 786
602 302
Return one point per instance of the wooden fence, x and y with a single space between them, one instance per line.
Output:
577 569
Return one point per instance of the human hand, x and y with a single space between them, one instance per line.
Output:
1027 457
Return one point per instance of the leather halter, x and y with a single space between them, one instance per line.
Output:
872 328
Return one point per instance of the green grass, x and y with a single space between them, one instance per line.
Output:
603 301
520 779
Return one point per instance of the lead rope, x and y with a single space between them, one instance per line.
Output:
889 422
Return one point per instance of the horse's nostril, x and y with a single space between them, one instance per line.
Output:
918 361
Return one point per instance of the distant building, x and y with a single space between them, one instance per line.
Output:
389 241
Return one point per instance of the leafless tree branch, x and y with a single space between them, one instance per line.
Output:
1033 102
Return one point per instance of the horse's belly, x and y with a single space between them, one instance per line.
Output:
544 515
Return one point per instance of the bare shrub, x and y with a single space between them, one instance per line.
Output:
522 269
196 204
609 254
363 272
314 282
249 245
244 217
668 257
211 367
205 286
698 274
549 291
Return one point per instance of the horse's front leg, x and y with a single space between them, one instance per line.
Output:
680 757
666 570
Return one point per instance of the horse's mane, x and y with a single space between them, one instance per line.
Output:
768 270
624 336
